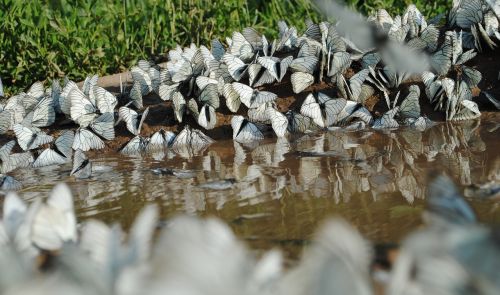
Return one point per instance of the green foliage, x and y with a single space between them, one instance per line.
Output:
49 39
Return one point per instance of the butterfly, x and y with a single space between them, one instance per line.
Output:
191 138
300 81
30 138
82 166
235 66
11 161
86 140
279 122
258 75
340 61
136 145
232 97
179 105
9 183
252 97
205 116
2 94
298 123
314 107
57 154
42 115
387 120
5 120
306 64
82 110
132 119
160 140
146 76
55 222
354 90
275 66
410 107
245 131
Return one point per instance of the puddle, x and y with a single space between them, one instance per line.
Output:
274 193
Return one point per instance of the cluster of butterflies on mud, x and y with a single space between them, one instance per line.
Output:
196 78
46 251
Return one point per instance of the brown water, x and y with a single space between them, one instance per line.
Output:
284 188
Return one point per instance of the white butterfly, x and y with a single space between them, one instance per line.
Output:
300 81
259 75
82 110
245 131
251 97
9 183
160 140
5 120
82 166
314 106
42 115
235 66
298 123
136 145
133 120
279 122
30 138
306 64
179 105
55 223
85 140
191 138
11 161
387 120
232 98
354 89
410 107
339 62
59 153
277 67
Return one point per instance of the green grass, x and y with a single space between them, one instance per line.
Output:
49 39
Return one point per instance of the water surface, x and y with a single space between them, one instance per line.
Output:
284 187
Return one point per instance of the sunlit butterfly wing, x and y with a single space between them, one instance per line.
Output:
279 122
85 140
179 104
232 98
311 108
300 81
64 143
43 113
82 167
202 82
240 47
143 79
339 63
469 13
49 157
65 99
29 138
210 96
18 160
166 92
135 146
298 123
339 109
131 119
410 107
207 118
5 121
82 110
89 83
6 149
104 126
136 95
307 64
245 131
355 83
259 114
105 101
235 66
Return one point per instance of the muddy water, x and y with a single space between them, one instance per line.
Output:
284 188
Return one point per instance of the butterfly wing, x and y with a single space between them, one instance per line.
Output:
300 81
85 140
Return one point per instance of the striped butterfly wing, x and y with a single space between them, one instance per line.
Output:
307 64
235 66
5 121
410 107
8 183
105 101
85 140
356 82
142 118
271 64
300 81
166 92
82 166
49 157
18 160
202 82
82 110
104 126
192 107
240 47
207 118
469 13
341 61
469 110
179 104
362 114
471 76
135 146
64 143
142 77
279 122
6 149
387 120
245 131
131 119
29 138
64 98
311 108
135 95
210 96
259 114
441 60
245 93
298 123
43 114
89 84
